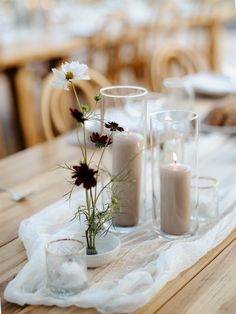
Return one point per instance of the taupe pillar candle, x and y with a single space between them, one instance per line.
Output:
127 154
175 198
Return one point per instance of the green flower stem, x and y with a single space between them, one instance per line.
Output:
81 148
77 98
87 201
91 197
91 158
103 188
87 239
92 232
98 167
85 144
84 130
84 152
90 239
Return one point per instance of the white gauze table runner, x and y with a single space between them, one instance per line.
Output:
145 263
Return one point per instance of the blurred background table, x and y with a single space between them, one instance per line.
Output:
118 40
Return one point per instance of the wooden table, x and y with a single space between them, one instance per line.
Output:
207 287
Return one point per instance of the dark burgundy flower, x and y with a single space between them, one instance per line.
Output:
78 115
113 126
84 175
100 140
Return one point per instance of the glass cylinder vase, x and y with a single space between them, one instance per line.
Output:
174 140
126 106
179 94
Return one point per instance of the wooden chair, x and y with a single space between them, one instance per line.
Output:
173 60
3 151
28 86
55 103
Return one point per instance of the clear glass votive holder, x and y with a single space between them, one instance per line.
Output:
178 93
66 266
208 199
174 139
126 105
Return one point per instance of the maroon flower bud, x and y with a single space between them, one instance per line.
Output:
100 140
77 115
113 126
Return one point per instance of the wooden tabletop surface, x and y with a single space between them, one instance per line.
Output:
207 287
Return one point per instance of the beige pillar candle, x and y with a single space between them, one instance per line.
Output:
175 198
127 154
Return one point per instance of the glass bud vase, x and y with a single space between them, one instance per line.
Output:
126 105
174 139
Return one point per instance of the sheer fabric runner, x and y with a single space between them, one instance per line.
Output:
145 263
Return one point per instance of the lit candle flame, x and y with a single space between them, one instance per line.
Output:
174 157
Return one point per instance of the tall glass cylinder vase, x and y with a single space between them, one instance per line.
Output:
174 140
126 106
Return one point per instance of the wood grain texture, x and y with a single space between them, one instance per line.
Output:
211 291
20 167
184 279
35 171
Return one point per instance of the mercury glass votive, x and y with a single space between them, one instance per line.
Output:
174 139
66 266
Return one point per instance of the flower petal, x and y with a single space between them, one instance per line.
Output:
58 74
61 84
66 67
81 70
80 77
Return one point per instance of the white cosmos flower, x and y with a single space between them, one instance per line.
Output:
70 72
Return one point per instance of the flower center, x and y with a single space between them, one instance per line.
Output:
69 75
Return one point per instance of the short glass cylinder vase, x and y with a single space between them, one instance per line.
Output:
208 199
174 140
66 267
126 105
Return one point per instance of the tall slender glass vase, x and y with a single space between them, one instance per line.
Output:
126 105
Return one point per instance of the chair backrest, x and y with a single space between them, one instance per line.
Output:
173 60
55 103
3 150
